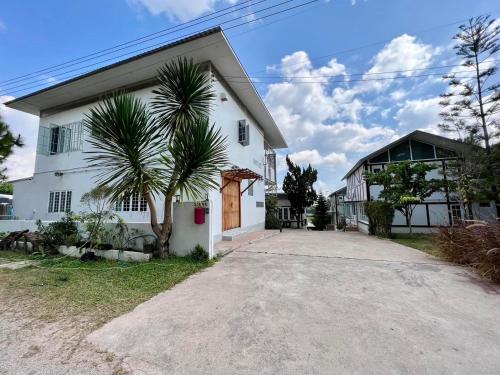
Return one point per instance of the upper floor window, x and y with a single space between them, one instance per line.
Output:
243 133
60 201
57 139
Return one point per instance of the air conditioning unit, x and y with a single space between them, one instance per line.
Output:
243 133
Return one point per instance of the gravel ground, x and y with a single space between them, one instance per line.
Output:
31 343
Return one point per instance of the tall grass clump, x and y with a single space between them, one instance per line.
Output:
476 245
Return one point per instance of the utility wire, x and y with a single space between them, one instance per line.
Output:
15 79
186 52
115 49
159 34
163 42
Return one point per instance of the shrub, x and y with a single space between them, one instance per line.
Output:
380 216
477 245
199 253
62 232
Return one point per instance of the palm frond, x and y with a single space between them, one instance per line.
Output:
196 158
127 144
185 94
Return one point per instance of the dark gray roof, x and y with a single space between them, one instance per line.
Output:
417 135
341 191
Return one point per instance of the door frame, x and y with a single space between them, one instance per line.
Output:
238 180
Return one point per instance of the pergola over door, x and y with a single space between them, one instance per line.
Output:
231 195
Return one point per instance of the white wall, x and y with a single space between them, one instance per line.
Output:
31 196
226 114
185 234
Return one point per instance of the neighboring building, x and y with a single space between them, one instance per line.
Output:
338 210
287 219
440 209
5 206
62 175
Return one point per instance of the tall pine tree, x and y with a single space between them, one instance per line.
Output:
298 186
471 108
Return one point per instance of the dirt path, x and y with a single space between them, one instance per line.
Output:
36 341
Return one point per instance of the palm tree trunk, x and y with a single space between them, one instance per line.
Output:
157 229
166 229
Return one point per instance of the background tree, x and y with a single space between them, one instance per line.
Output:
272 220
168 150
6 188
405 185
8 142
320 218
471 107
298 186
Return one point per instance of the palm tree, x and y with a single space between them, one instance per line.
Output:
160 152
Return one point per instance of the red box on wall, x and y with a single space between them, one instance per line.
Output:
199 215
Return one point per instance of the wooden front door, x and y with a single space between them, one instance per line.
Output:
231 204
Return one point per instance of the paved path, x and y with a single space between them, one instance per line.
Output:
315 303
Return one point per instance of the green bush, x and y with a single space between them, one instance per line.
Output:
272 221
62 232
199 253
380 215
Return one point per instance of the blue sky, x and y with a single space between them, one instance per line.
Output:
329 123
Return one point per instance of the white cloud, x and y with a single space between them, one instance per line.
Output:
402 55
314 158
398 95
182 10
420 114
22 162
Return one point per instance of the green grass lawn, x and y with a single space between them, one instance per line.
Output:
422 242
104 289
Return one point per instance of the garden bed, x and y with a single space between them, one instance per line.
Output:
113 254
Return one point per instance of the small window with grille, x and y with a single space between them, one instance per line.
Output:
243 133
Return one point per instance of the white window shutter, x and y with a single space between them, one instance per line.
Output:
43 140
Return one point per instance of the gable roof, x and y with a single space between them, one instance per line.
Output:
416 135
207 46
341 191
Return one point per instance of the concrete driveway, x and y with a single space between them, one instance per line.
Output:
315 303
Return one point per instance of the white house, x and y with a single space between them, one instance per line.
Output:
61 174
285 214
440 209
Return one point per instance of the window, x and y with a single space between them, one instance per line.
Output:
280 214
285 213
421 150
400 152
456 213
381 158
133 202
57 139
243 133
443 153
250 188
376 170
59 201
